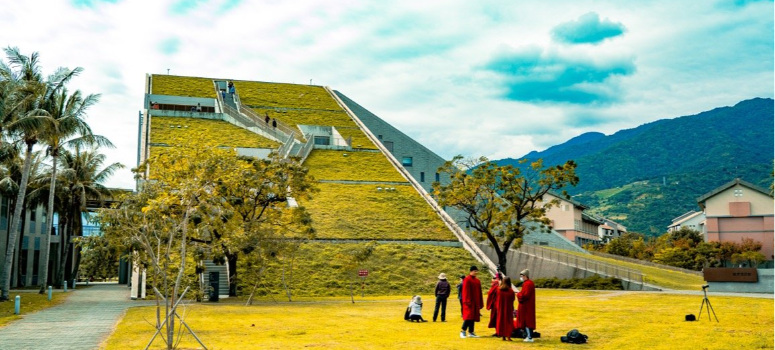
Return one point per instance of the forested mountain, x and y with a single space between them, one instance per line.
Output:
646 176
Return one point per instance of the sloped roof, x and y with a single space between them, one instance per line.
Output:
685 217
701 200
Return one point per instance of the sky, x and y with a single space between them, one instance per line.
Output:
474 78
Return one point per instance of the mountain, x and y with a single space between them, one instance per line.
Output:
646 176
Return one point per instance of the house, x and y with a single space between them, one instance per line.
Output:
610 229
570 220
692 219
738 210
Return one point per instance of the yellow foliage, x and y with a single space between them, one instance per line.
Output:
174 85
185 131
363 212
351 166
611 320
264 94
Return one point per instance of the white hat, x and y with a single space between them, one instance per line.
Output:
442 276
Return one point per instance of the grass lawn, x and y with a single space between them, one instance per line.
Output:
653 275
612 320
30 302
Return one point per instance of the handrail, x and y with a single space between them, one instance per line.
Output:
285 150
280 125
581 262
250 118
306 149
461 235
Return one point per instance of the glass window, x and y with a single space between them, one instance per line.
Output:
322 140
388 145
437 177
422 176
406 161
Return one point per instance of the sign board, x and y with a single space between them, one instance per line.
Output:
730 274
363 273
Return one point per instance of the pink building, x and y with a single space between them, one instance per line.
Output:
737 210
570 220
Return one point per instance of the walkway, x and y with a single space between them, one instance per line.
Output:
82 322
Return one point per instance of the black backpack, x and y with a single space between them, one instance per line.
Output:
574 337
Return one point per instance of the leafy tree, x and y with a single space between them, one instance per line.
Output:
499 202
199 202
100 258
25 92
354 259
81 180
66 128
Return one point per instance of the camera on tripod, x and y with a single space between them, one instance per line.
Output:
705 286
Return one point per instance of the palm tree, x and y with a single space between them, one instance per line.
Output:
67 128
23 118
81 179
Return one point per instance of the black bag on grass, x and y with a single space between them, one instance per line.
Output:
406 314
574 337
690 317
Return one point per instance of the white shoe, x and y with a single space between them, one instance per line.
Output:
463 334
472 335
528 340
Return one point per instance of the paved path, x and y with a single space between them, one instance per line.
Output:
80 323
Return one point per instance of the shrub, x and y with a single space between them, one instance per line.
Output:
351 166
179 131
594 282
174 85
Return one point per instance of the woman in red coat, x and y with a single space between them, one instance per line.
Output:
472 302
526 315
505 307
491 298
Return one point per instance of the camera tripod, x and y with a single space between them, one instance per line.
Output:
706 301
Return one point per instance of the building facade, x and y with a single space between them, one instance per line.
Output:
569 219
738 210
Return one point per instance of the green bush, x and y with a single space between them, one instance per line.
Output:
594 282
174 85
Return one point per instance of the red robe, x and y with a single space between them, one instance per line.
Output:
472 298
491 298
526 315
505 307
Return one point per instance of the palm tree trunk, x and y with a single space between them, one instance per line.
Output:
17 215
49 220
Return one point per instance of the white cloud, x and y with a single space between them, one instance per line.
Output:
414 64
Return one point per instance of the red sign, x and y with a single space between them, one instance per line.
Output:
363 273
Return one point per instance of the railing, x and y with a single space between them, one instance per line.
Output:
250 119
461 235
581 262
648 263
287 146
282 127
305 150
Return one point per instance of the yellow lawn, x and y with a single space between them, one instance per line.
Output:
612 320
30 302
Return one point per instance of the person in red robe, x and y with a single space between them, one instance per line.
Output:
491 298
526 314
472 302
505 306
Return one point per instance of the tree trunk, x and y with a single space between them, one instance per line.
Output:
49 220
5 276
77 231
231 261
502 262
63 250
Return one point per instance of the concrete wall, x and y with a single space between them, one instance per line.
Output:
766 284
544 268
425 162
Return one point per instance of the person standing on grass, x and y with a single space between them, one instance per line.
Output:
526 314
472 302
491 298
415 307
442 293
460 293
505 306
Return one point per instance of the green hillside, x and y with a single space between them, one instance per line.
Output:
646 176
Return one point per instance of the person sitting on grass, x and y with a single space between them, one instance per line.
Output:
416 309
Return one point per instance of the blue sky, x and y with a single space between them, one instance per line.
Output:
493 78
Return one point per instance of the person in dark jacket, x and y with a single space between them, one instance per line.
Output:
460 293
442 293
